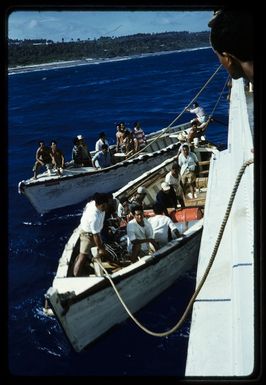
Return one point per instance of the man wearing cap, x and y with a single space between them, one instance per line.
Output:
166 198
138 198
85 154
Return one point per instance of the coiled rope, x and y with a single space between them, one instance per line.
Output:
181 113
203 279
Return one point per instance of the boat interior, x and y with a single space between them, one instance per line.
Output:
184 217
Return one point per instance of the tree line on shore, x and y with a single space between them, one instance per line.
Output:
28 52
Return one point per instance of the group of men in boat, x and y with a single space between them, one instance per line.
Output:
144 235
127 142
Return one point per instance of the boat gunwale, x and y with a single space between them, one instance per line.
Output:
153 259
125 163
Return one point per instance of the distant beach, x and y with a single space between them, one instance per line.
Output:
87 61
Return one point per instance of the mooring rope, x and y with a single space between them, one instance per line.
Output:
181 113
203 279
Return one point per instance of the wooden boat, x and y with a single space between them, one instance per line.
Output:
47 193
87 306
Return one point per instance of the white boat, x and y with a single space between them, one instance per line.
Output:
87 306
222 339
76 185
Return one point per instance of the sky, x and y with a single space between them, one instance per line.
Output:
83 25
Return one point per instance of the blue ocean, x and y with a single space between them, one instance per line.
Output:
58 104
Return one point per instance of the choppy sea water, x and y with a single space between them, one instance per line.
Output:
60 104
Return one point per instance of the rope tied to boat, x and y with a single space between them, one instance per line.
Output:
178 116
203 279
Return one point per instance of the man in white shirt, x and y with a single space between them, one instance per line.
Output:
201 118
173 179
163 227
102 140
188 162
140 235
91 224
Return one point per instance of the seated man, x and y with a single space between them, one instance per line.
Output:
102 158
76 154
128 143
166 198
58 159
139 137
123 210
164 229
196 131
43 158
140 235
102 140
84 152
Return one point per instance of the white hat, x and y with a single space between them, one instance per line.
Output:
165 186
141 190
79 137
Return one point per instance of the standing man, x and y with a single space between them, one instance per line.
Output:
188 162
91 225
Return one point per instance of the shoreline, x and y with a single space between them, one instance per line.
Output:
88 61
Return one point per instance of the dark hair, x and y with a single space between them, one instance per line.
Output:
101 198
157 208
175 166
232 32
75 141
123 200
104 147
102 135
135 208
195 104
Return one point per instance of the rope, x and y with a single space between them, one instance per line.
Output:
181 113
204 129
203 279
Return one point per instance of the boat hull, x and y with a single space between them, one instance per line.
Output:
53 193
86 316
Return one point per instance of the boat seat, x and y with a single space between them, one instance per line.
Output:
204 172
